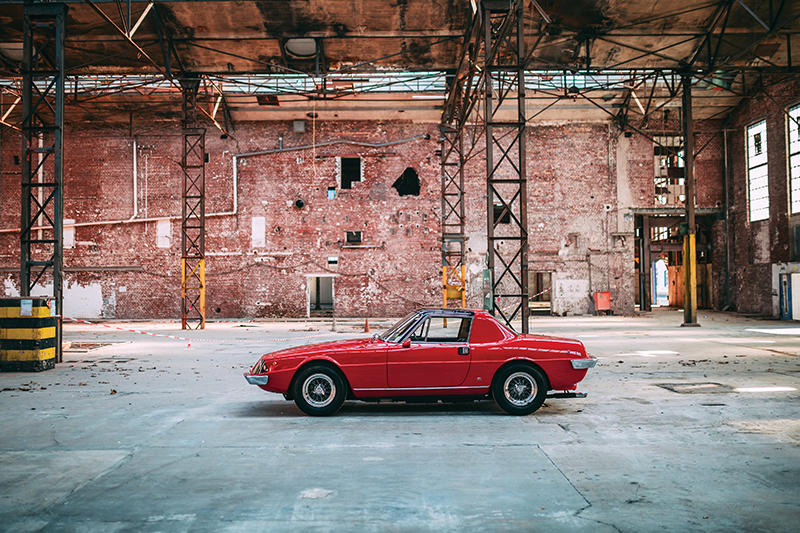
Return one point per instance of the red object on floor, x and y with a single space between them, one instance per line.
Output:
602 301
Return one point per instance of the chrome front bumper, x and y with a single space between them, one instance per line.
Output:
581 364
256 380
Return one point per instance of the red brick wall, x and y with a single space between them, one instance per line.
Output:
572 171
399 273
758 244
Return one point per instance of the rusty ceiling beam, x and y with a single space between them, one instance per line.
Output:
722 8
158 67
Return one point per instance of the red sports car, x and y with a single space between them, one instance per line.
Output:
430 354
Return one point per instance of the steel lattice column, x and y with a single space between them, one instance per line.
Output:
41 229
689 243
504 87
193 215
453 217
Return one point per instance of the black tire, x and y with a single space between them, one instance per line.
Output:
319 390
519 389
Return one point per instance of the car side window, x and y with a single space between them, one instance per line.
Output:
421 333
442 329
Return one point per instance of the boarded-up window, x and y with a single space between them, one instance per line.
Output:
69 233
258 238
163 231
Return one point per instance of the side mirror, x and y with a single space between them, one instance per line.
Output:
406 343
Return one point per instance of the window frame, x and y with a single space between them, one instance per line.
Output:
358 237
793 181
750 167
402 328
673 144
428 317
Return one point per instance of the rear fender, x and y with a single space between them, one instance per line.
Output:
526 361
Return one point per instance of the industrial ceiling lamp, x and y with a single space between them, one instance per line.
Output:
301 47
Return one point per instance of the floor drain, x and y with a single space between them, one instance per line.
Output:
85 346
696 388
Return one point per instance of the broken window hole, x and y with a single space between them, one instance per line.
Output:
501 214
353 237
408 183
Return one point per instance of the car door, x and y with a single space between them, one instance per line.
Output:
437 355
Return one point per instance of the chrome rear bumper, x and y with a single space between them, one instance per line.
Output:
580 364
566 394
256 380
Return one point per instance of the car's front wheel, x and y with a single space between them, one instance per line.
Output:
519 389
319 390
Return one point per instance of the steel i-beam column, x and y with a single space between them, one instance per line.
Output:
41 230
453 217
193 214
689 244
506 198
645 262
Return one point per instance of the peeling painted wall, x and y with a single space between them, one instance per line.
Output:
80 301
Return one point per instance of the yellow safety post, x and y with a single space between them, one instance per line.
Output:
444 286
202 297
28 335
690 280
454 291
183 280
194 307
463 287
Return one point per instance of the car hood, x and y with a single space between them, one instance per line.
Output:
324 347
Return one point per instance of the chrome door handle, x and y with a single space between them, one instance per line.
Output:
463 350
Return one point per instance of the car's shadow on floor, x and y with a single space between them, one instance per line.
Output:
280 409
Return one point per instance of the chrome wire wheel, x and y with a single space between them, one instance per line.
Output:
319 390
520 389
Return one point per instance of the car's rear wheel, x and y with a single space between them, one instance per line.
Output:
319 390
519 389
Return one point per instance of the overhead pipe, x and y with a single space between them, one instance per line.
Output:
235 161
135 181
726 179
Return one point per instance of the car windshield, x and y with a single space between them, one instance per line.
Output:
398 331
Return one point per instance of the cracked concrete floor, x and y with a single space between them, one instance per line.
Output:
683 429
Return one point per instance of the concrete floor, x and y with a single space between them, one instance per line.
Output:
147 434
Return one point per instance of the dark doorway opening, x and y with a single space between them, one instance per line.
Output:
540 297
320 295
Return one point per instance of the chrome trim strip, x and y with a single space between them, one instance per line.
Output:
427 388
559 341
581 364
256 380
